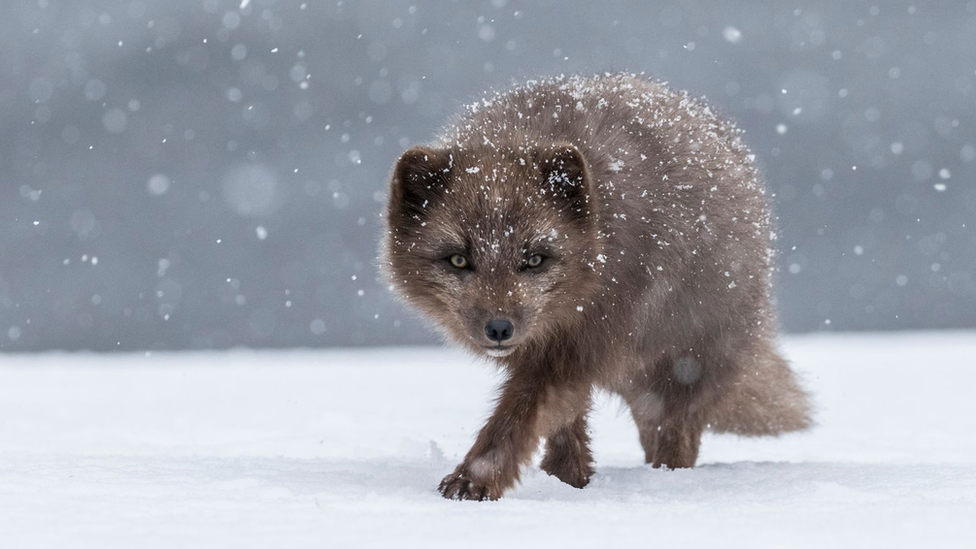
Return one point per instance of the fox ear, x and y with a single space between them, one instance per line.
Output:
566 176
419 176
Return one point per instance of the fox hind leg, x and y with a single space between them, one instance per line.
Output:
661 401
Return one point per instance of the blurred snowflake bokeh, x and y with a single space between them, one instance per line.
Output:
209 173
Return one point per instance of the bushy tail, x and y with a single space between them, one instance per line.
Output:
765 400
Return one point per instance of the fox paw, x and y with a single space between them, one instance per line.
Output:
570 469
460 485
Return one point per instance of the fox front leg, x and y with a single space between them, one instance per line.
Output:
529 408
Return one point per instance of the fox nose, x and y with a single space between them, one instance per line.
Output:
499 330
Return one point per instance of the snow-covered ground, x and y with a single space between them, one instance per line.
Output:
345 448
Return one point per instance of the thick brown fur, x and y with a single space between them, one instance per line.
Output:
655 285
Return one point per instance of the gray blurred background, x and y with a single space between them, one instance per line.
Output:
209 173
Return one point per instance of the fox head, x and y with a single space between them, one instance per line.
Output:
497 247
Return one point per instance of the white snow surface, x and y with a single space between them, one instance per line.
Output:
345 448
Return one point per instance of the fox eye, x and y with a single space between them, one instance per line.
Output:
458 261
534 261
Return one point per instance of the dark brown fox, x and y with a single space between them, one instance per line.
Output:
586 233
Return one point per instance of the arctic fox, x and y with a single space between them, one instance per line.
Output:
604 232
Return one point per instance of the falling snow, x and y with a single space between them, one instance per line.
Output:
148 131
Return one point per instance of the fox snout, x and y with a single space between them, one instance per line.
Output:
497 333
499 330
